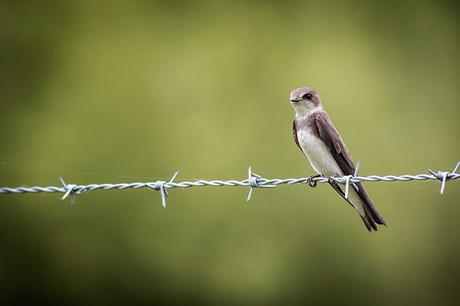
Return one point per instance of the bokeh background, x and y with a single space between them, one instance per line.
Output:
124 91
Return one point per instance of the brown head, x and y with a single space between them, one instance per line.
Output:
305 100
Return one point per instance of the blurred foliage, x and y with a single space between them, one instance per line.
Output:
123 91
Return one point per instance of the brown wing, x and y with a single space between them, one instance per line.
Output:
328 133
294 133
332 139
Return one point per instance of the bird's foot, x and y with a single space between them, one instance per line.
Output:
311 182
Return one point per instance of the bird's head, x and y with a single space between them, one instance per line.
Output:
305 100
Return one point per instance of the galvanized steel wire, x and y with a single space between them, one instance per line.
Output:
252 181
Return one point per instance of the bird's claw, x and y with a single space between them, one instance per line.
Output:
311 182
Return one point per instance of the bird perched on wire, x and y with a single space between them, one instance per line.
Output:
319 140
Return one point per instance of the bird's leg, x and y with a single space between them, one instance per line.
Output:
311 182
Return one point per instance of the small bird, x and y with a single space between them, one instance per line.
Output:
321 143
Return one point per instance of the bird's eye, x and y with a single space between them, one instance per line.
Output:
307 96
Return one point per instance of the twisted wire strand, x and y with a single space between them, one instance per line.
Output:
253 181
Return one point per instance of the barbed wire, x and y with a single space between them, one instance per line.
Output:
252 181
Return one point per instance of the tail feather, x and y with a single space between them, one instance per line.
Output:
360 200
368 221
371 211
375 214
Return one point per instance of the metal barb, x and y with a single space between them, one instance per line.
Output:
355 175
348 178
253 182
356 169
69 191
347 185
162 187
442 176
456 167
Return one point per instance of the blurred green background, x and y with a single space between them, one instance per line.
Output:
124 91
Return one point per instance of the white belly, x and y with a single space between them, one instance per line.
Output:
318 154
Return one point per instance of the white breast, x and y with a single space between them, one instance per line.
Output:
318 154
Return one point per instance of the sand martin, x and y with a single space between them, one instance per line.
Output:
319 140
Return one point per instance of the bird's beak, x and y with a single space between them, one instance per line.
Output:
294 100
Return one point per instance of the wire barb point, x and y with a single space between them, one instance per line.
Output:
442 176
456 167
163 186
254 181
69 190
347 185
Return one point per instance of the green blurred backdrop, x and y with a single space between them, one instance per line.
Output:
124 91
